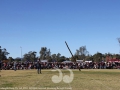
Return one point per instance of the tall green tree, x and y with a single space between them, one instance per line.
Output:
48 54
97 57
31 55
62 58
3 53
18 59
10 59
44 53
58 57
81 53
54 56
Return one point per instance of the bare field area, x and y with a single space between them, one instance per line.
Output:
87 79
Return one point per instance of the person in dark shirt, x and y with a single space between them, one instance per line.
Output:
79 66
15 66
38 67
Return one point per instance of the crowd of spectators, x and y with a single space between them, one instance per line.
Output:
60 65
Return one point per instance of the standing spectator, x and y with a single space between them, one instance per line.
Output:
14 66
38 67
79 66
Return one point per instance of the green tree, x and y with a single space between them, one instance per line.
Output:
58 57
53 56
88 57
18 59
97 57
31 55
48 55
3 53
81 53
10 59
49 59
62 58
117 56
44 53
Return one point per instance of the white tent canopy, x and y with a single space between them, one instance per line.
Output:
44 60
88 61
67 61
79 61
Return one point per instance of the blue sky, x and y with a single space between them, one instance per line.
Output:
33 24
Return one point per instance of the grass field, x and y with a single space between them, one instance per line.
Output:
87 79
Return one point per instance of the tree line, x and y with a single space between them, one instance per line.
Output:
45 54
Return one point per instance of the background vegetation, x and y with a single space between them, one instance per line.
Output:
45 54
